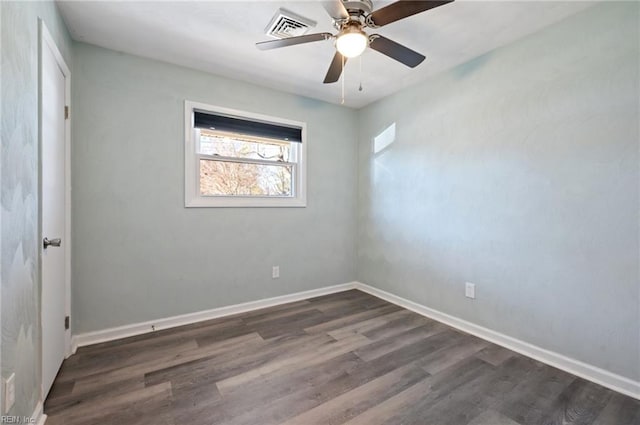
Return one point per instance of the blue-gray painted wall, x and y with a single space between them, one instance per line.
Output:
138 253
518 171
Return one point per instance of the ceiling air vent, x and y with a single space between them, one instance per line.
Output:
287 24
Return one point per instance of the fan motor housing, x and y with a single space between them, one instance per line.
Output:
361 7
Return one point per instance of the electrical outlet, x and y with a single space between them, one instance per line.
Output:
275 272
9 392
470 290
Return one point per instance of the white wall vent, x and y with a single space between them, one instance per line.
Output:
287 24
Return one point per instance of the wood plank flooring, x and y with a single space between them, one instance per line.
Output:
346 358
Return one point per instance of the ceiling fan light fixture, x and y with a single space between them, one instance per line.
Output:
350 17
352 42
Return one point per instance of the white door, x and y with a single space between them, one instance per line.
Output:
53 157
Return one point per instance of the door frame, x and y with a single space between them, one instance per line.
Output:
46 41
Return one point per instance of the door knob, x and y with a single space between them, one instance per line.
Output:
51 242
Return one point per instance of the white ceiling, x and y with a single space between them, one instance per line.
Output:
219 37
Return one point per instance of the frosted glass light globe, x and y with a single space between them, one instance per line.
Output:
351 44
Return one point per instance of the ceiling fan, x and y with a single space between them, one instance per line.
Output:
350 17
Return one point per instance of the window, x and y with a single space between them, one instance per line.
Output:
239 159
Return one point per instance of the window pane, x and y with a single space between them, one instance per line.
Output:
240 147
221 178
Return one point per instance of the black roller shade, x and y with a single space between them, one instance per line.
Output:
208 120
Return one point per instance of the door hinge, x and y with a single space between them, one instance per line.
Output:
66 322
66 112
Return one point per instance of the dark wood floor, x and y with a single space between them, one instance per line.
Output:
346 358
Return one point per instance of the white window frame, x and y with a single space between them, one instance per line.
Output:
192 164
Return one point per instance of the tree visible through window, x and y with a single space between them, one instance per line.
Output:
272 176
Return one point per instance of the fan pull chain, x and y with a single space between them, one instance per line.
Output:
342 101
360 63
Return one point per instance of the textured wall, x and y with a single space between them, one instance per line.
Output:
138 253
19 191
518 171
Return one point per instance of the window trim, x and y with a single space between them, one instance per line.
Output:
192 164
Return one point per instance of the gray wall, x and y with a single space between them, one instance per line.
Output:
138 253
19 269
518 171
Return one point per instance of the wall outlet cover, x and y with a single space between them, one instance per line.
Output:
275 273
470 290
9 392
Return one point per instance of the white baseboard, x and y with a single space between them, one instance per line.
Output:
589 372
592 373
38 417
120 332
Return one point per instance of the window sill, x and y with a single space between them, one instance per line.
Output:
240 202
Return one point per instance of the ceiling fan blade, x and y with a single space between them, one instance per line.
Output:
400 10
396 51
335 69
335 9
292 41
